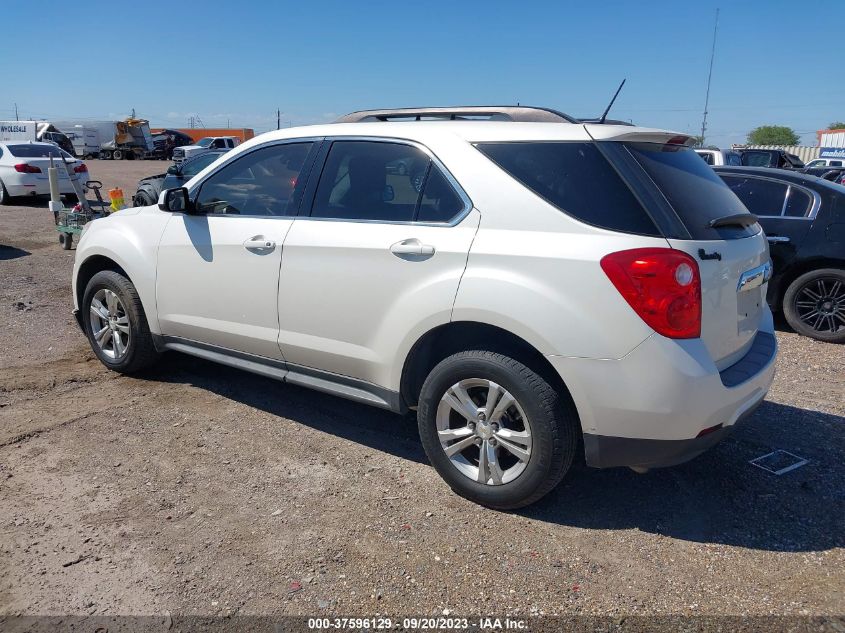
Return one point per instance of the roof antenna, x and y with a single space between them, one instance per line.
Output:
610 105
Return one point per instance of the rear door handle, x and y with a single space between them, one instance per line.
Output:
777 239
259 244
412 247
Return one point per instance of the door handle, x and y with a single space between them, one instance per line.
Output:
777 239
260 244
412 247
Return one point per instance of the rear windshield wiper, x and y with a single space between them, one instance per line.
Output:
737 219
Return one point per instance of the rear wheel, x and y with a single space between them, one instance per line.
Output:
4 195
117 154
115 323
496 431
814 305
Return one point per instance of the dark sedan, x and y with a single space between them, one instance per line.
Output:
150 187
804 220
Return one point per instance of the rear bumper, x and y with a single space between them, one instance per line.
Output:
39 187
665 402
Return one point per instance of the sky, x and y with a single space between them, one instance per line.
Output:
236 63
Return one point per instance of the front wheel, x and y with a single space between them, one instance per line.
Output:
495 430
116 325
814 305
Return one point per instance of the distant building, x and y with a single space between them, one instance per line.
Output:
831 143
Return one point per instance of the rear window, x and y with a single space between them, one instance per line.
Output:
757 159
692 188
577 179
37 151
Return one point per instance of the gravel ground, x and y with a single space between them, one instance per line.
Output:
199 489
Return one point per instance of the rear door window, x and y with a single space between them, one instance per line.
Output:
757 159
384 182
761 196
577 179
798 203
695 192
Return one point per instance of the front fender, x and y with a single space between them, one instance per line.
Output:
131 241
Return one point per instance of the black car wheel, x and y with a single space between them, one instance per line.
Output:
814 305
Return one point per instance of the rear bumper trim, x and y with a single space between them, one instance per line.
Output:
760 354
604 451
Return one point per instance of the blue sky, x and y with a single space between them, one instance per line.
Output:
237 62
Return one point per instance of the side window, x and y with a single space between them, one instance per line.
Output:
733 159
815 163
578 180
835 163
440 202
368 180
798 203
708 158
761 197
262 182
230 142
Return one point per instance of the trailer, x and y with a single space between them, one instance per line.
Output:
118 140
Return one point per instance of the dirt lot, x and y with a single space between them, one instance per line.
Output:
199 489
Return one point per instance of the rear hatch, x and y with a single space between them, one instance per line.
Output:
700 215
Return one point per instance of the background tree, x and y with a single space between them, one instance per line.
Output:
836 125
773 135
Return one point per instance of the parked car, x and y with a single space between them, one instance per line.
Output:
776 158
524 300
826 162
804 220
166 141
714 156
828 173
204 145
150 187
23 170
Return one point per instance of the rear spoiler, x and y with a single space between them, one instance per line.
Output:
606 132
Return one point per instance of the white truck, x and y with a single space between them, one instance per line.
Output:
207 144
119 140
43 131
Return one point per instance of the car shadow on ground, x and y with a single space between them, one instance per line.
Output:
718 497
11 252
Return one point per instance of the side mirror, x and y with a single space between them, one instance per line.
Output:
172 170
175 201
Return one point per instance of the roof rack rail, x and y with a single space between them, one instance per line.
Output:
461 113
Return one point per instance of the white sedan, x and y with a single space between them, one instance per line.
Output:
23 169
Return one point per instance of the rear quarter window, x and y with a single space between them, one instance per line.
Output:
577 179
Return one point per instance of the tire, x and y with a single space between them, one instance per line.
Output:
142 199
552 426
136 350
4 195
105 155
814 305
117 154
66 240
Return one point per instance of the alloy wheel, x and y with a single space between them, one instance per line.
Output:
484 431
110 324
821 304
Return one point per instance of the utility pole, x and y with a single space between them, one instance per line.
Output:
709 76
16 112
278 119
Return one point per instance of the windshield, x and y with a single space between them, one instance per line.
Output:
204 142
194 167
692 188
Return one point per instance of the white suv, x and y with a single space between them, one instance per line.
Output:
534 287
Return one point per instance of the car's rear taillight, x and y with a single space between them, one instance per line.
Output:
24 168
82 168
662 285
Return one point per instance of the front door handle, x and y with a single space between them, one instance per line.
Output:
412 247
777 239
259 244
